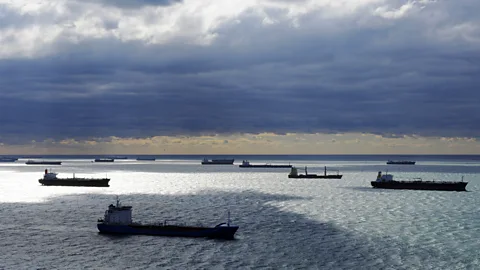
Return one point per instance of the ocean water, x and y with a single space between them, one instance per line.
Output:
284 223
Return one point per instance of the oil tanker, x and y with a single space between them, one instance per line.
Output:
51 179
218 161
386 181
118 220
104 160
246 164
400 162
43 162
294 174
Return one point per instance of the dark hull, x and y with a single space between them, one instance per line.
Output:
145 159
218 162
222 232
401 162
44 163
76 182
328 176
265 166
421 185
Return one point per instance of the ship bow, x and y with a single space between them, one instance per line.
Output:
223 232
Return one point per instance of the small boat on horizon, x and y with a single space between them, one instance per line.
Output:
51 179
104 160
118 220
43 162
246 164
400 162
225 161
294 174
386 181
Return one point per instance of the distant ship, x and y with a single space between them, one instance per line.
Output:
51 179
43 162
294 174
386 181
401 162
5 159
246 164
104 160
218 161
118 220
146 159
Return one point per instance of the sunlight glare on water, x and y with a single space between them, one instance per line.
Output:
284 223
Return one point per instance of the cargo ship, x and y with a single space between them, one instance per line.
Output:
400 162
246 164
42 162
218 161
294 174
51 179
104 160
118 220
386 181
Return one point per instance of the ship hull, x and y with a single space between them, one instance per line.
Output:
417 185
310 176
222 232
265 166
75 183
401 162
44 163
218 162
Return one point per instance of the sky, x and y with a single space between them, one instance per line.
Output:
239 76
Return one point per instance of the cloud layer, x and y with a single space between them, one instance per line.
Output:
76 69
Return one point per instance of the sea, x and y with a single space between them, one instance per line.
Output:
284 223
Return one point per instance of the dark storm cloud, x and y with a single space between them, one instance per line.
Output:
389 79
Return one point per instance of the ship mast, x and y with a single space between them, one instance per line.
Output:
228 219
